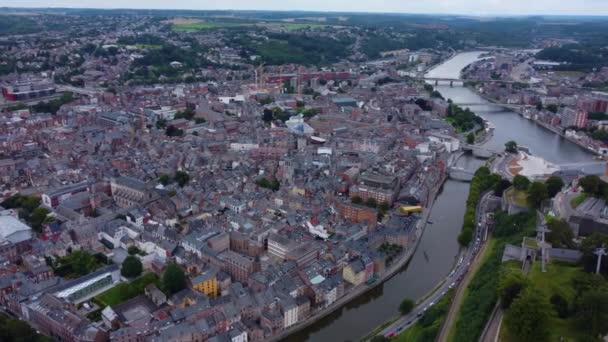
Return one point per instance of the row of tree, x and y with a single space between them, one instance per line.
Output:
180 177
482 181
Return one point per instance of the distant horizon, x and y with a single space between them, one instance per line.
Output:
470 8
489 15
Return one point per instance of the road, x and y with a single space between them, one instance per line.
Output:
453 279
459 296
492 329
561 204
480 220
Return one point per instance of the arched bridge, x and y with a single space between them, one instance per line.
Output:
436 80
460 174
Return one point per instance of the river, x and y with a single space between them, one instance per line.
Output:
363 314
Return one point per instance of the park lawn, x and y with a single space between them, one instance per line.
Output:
518 197
557 280
125 291
571 73
576 201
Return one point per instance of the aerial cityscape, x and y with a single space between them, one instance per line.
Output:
315 173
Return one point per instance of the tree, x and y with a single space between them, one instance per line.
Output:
384 206
465 237
554 185
133 250
501 186
131 267
552 108
406 306
560 235
174 279
510 286
560 304
164 179
38 217
173 131
470 138
521 183
81 263
267 116
182 178
511 146
528 316
357 200
537 193
592 313
187 114
436 94
590 184
161 123
371 202
18 331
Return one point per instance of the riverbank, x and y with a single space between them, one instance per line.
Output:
544 125
364 288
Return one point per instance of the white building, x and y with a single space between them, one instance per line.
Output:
290 313
451 143
13 230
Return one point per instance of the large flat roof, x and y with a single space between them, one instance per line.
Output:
10 227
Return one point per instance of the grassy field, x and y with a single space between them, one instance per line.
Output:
518 197
576 201
147 46
125 291
571 73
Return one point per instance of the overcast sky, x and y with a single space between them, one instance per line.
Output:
473 7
